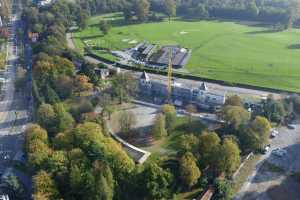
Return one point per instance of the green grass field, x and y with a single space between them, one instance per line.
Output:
226 51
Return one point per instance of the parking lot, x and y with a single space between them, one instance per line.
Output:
275 178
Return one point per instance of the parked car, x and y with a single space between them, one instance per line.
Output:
274 133
279 152
266 149
291 126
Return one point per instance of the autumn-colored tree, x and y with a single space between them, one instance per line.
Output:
82 84
44 186
189 171
234 100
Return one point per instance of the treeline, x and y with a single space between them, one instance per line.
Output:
280 12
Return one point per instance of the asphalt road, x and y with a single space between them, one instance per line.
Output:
275 184
14 115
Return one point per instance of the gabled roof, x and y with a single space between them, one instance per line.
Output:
203 87
145 76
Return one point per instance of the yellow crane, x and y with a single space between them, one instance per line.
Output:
170 76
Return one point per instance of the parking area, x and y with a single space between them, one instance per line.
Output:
276 176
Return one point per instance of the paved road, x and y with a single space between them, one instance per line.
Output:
14 115
267 184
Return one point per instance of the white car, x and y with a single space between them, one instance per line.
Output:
279 152
274 133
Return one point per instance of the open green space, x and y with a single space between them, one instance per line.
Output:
221 50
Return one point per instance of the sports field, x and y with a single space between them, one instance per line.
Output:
226 51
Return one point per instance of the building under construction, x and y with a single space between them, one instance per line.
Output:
180 94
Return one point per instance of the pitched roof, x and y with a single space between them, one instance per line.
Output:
145 76
203 87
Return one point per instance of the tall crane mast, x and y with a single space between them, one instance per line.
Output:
170 76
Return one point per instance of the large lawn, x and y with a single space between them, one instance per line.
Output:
225 51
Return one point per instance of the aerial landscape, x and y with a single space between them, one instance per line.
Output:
149 99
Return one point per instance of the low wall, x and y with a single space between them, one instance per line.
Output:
137 154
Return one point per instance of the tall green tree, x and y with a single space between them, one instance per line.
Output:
170 113
124 86
159 127
156 182
104 27
46 117
209 144
229 157
126 120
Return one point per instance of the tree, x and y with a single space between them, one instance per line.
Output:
224 189
82 84
274 110
124 86
64 120
12 186
263 129
141 8
253 9
126 121
104 182
82 18
64 86
235 116
170 113
38 154
44 185
229 157
188 143
293 13
104 26
170 8
201 11
191 109
156 182
189 171
57 162
51 96
234 100
208 148
159 127
46 117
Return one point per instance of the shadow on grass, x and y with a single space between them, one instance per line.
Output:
294 46
262 32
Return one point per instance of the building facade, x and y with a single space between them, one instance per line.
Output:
181 94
